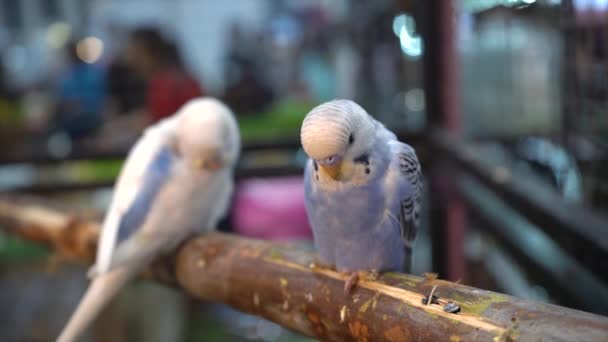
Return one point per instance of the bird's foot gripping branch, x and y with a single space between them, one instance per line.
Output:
275 281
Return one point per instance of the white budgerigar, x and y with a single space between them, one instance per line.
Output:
362 189
177 180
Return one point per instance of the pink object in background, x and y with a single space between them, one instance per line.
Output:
271 208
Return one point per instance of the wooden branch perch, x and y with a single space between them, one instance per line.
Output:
275 281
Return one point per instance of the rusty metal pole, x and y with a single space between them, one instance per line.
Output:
456 222
570 87
448 211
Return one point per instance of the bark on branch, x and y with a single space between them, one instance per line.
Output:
275 281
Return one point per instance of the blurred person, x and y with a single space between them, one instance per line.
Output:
81 96
125 87
248 93
169 84
245 91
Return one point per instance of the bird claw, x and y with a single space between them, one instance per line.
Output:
351 282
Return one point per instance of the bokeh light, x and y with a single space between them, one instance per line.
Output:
90 49
404 28
58 34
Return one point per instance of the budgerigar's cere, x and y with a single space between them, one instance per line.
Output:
363 190
177 180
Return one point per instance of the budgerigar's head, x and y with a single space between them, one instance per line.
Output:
207 134
335 131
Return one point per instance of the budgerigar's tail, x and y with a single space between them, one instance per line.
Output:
100 292
408 260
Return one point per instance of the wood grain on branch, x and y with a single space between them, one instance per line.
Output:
275 281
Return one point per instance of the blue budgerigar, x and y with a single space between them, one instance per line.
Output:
363 190
177 180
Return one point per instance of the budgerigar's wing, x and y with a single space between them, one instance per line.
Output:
144 173
409 212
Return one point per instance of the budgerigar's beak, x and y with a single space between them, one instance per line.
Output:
210 162
334 171
199 163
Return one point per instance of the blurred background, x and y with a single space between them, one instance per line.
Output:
506 102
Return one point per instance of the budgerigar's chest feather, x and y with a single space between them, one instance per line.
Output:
353 225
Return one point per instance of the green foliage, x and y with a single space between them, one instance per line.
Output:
91 170
282 121
13 248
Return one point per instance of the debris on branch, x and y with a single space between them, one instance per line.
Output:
275 281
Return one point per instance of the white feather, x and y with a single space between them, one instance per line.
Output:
128 186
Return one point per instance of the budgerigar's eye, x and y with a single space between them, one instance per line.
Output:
329 160
351 139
